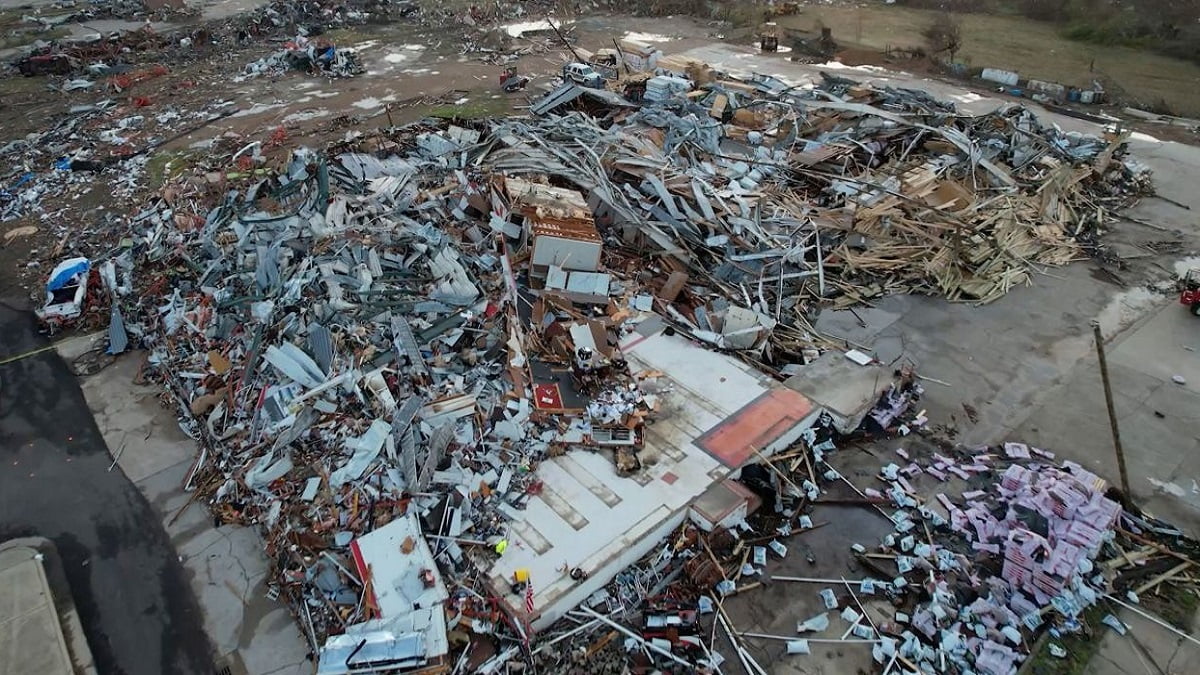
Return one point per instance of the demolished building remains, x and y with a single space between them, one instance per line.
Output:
469 378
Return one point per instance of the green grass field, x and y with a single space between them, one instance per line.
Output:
1033 49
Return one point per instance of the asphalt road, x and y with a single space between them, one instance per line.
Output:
135 604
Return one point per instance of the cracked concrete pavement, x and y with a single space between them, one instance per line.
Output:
128 587
1157 417
225 565
1146 650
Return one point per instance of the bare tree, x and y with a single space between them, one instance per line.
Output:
943 36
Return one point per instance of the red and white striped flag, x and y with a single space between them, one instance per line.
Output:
529 597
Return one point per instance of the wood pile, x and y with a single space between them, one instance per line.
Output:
781 201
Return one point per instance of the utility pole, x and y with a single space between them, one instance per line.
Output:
621 54
564 40
1112 412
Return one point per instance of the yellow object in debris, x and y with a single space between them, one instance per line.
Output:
501 546
521 576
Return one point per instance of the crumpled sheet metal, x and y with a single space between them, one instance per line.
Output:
865 191
332 372
367 304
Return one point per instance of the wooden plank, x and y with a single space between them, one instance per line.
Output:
1162 577
674 285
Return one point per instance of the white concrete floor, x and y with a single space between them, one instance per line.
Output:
31 639
227 565
1147 649
1157 417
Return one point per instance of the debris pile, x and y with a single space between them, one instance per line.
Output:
506 43
49 170
769 204
118 49
1020 545
1009 547
377 344
157 10
313 56
1047 525
349 343
111 50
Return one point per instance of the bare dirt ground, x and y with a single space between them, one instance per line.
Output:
412 71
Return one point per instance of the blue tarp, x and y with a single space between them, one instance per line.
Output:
65 271
118 339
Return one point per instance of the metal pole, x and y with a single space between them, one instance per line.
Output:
1112 412
621 53
628 633
564 40
578 629
1155 619
821 641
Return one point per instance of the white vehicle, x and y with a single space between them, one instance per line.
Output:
65 291
583 75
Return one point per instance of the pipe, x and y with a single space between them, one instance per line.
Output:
744 656
1112 412
1155 619
341 567
442 537
783 638
861 607
318 390
709 655
578 629
462 659
565 43
628 633
809 580
741 654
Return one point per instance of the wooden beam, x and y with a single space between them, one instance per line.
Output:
1162 577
